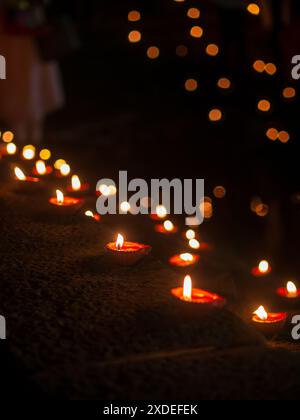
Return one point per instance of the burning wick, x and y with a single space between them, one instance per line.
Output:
76 184
20 176
184 260
61 201
261 314
119 242
90 214
187 289
263 269
268 323
289 292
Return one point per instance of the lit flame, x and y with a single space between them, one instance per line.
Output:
291 288
20 174
261 313
187 288
76 184
264 267
186 257
29 152
190 234
89 213
65 169
40 167
125 207
11 148
161 212
169 226
194 243
119 242
60 197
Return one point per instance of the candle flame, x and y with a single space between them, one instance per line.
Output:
194 243
65 169
186 257
169 226
187 288
40 167
89 213
261 313
11 148
76 184
119 242
20 174
60 197
190 234
291 288
29 152
264 266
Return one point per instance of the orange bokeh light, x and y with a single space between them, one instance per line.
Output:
196 31
212 50
153 52
264 105
134 36
191 85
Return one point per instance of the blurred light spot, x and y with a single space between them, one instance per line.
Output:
8 136
59 163
219 191
283 136
190 234
181 50
134 16
134 36
11 149
125 207
206 208
254 9
262 210
289 92
194 244
271 69
224 83
272 134
255 202
264 105
196 32
259 66
45 154
212 50
153 53
29 152
191 85
215 115
193 13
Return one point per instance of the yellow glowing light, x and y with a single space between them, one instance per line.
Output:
191 85
65 169
125 207
291 289
134 36
224 83
119 242
263 267
45 154
215 115
254 9
40 167
134 16
187 257
272 134
161 211
196 32
8 136
289 92
181 50
270 69
76 183
60 197
193 13
264 105
187 288
194 244
29 152
259 66
190 234
283 136
20 174
58 164
153 52
261 313
212 50
11 148
169 226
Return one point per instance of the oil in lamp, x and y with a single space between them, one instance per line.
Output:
269 324
28 152
194 300
127 253
262 270
67 204
184 260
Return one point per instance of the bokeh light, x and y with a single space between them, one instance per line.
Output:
272 134
8 136
191 85
134 36
264 105
153 52
134 16
45 154
219 191
215 115
196 32
224 83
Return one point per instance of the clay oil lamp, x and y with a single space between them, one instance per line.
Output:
41 169
92 215
67 205
289 295
26 183
269 324
127 253
184 260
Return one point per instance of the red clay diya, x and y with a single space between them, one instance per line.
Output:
197 299
184 260
77 188
26 183
127 253
262 270
289 292
160 213
69 204
269 324
41 169
92 215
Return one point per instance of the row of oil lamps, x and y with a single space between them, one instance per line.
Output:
129 253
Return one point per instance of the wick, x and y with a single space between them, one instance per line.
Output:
119 247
